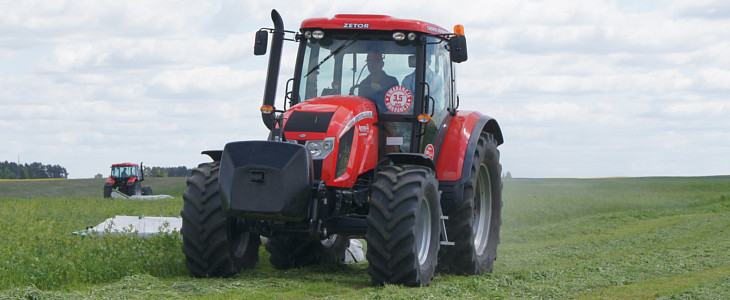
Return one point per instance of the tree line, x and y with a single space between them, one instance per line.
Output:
36 170
181 171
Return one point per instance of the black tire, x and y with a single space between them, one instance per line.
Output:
292 252
474 225
146 190
134 189
107 191
403 226
214 244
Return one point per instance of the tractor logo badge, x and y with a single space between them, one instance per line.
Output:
398 99
429 151
356 25
364 129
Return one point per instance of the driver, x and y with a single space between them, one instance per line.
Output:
378 82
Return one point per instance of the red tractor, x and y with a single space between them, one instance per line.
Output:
369 143
126 178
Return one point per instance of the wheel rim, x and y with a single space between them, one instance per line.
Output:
328 242
423 231
238 236
482 210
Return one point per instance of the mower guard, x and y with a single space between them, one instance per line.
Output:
266 180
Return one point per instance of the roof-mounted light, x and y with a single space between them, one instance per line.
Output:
308 34
318 34
267 109
459 29
412 36
399 36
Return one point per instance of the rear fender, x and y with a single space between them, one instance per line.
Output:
132 180
215 155
461 141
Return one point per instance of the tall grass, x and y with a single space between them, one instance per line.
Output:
38 247
642 238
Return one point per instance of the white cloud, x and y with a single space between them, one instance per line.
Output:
219 79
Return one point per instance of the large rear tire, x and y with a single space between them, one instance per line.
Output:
291 252
474 225
214 244
403 226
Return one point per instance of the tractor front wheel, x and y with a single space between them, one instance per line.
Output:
403 226
107 191
214 244
474 225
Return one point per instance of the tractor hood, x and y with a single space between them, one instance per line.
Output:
343 128
329 116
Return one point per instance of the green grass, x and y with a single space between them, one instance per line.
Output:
643 238
81 188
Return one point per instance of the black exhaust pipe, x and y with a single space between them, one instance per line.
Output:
272 73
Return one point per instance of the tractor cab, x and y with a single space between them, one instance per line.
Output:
407 75
124 171
363 82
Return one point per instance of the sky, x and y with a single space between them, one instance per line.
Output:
582 89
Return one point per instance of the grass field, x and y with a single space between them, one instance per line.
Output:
645 238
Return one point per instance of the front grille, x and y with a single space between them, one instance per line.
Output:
304 121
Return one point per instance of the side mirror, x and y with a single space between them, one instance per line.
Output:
262 40
457 45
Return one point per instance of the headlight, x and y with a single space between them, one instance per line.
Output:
320 149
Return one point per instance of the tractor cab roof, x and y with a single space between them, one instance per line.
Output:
124 165
372 22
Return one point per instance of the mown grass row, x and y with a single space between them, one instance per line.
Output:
561 238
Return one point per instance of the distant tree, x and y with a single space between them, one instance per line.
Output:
507 175
7 174
98 176
181 171
35 170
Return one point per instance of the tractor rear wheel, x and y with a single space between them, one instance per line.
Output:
214 244
474 225
403 226
291 252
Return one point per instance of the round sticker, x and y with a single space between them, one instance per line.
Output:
398 99
429 151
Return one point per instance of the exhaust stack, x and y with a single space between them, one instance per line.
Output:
272 73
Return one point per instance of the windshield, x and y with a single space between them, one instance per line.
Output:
374 69
124 171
